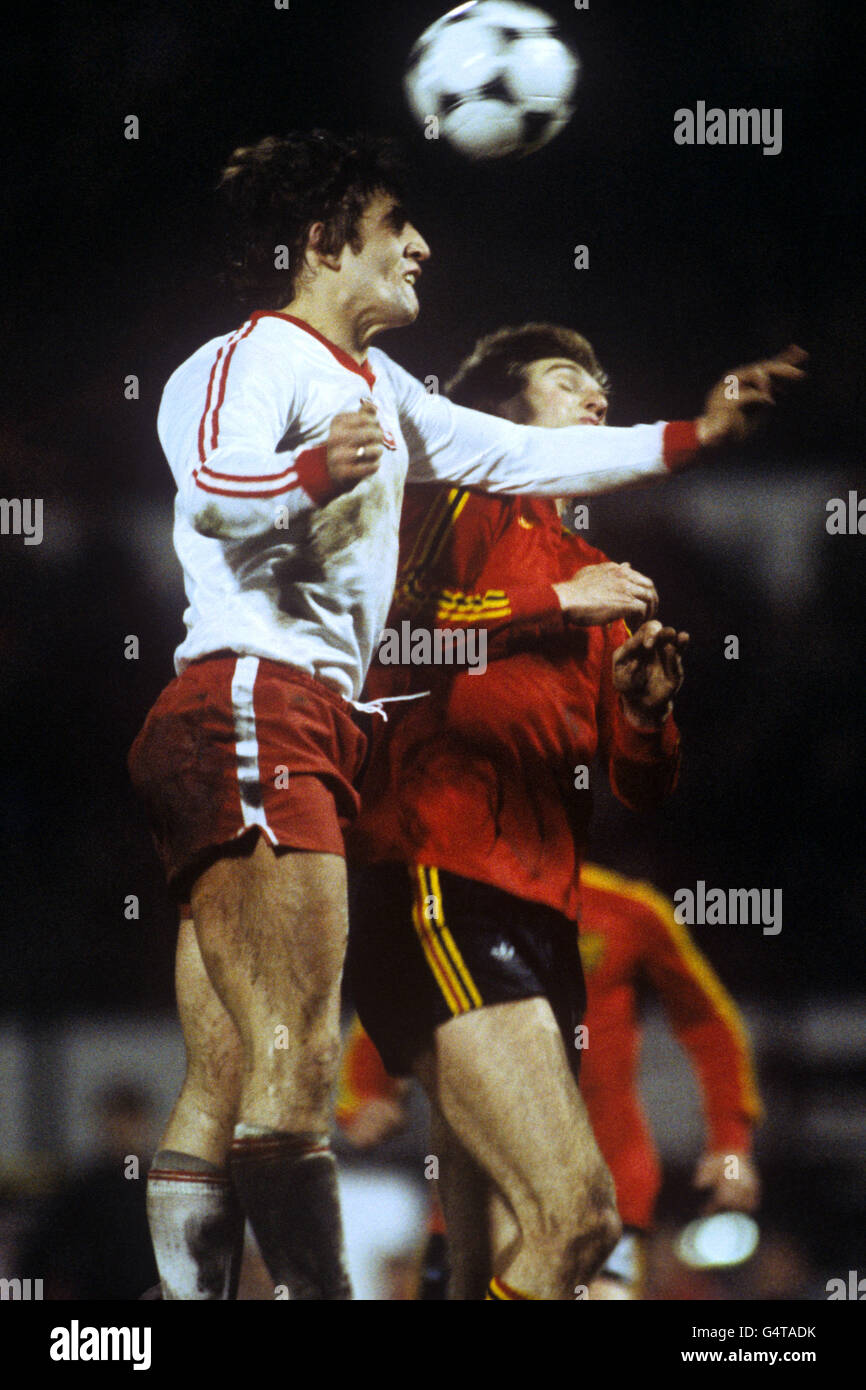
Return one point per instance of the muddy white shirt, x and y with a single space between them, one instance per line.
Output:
274 565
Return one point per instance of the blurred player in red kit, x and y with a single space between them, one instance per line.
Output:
290 440
628 937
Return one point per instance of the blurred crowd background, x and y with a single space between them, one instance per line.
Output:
699 259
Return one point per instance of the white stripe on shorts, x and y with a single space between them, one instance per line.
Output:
247 745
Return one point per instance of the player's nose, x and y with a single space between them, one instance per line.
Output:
416 245
596 404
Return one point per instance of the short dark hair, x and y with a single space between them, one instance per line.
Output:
495 370
273 192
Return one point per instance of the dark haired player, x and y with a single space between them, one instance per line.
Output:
463 960
290 440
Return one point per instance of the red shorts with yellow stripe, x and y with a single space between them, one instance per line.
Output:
238 746
426 945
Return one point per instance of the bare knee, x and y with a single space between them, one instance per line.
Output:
575 1227
301 1082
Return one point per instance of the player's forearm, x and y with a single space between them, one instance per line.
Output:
496 455
644 763
240 492
491 610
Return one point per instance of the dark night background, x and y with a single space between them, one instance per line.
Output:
700 259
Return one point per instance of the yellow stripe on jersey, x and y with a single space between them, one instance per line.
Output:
454 605
434 530
595 877
436 510
443 957
457 606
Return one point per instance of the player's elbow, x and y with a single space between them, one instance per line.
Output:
237 522
211 522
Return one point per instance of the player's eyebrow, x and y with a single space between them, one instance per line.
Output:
564 365
396 217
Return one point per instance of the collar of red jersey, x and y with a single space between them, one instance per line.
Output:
359 368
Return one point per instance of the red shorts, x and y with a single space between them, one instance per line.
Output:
242 745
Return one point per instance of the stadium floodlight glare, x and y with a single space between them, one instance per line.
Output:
718 1242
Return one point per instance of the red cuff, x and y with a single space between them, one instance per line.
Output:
311 467
680 443
732 1135
646 745
534 602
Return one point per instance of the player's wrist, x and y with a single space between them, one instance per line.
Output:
562 592
314 475
646 720
682 441
709 430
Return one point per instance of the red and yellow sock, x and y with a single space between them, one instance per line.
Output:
500 1292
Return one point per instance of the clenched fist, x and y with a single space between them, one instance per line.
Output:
354 447
599 594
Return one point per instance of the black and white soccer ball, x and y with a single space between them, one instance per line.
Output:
493 78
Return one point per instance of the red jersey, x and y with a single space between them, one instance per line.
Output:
627 934
486 775
362 1076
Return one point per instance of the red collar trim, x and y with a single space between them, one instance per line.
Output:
360 368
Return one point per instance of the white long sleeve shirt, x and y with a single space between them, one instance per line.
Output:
274 566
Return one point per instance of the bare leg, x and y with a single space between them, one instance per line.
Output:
272 931
195 1220
500 1077
203 1117
463 1191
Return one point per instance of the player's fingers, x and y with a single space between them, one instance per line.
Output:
643 601
788 363
672 664
755 377
749 395
793 354
364 426
784 371
630 646
359 450
646 634
360 422
630 573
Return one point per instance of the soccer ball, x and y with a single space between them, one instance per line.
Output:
493 77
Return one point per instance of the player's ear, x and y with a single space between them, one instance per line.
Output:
316 252
514 409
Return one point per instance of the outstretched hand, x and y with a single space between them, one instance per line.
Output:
738 404
648 672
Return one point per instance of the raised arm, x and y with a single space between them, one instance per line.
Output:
449 443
